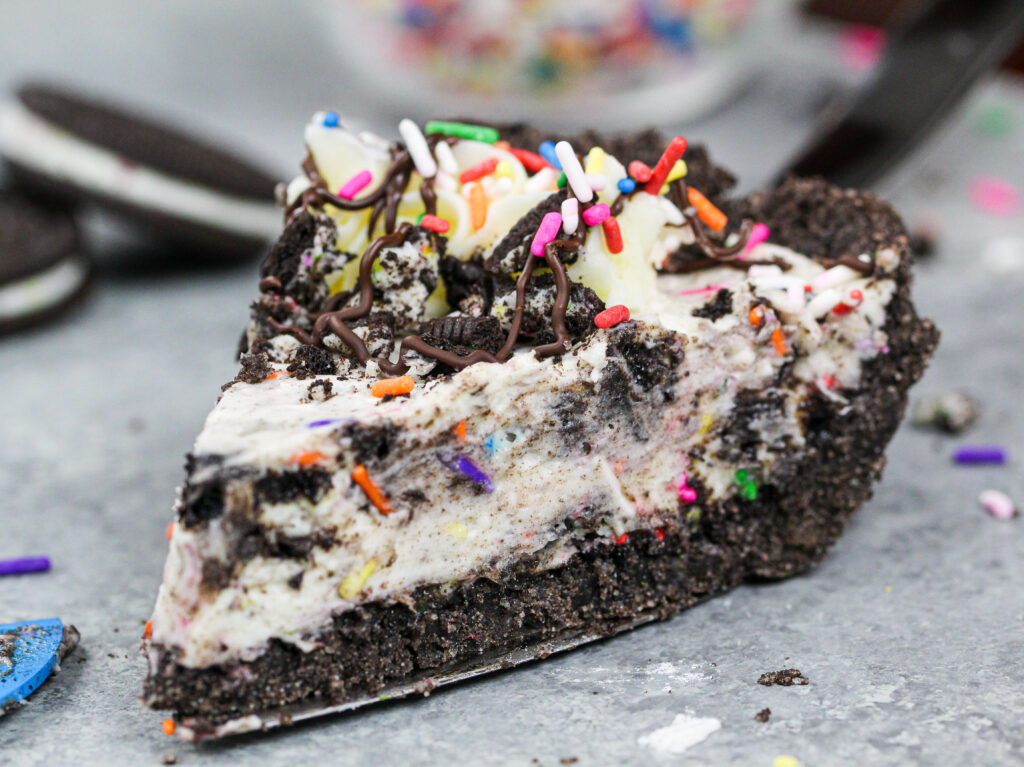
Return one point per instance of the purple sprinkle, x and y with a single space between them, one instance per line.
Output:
979 454
466 466
325 422
24 565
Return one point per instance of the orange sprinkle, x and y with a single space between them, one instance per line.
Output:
308 459
362 478
706 210
779 341
148 631
170 530
168 725
502 145
460 431
477 206
393 386
756 316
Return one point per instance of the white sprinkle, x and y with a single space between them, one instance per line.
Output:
1004 255
822 303
419 151
446 159
795 298
684 732
445 181
501 187
833 277
998 504
574 171
597 181
570 215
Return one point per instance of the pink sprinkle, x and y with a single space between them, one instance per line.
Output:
596 214
546 232
686 493
355 185
758 235
993 195
998 504
705 289
861 46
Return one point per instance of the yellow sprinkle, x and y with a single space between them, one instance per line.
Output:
677 172
504 170
458 530
595 160
355 579
705 424
888 589
786 761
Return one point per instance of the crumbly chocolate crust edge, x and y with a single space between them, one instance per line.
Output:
783 532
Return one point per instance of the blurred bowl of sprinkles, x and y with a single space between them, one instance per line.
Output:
564 62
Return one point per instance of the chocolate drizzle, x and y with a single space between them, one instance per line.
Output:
385 200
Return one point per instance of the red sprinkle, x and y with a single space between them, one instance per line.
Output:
622 539
612 234
842 309
668 158
435 223
531 161
829 381
639 172
611 316
660 533
478 171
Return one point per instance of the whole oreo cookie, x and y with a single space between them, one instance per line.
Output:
42 270
195 196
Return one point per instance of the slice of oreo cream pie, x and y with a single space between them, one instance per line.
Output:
492 398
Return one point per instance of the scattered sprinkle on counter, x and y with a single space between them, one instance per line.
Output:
998 504
23 565
979 454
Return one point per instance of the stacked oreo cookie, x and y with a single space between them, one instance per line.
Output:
64 152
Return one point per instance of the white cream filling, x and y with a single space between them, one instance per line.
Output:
33 142
512 435
47 288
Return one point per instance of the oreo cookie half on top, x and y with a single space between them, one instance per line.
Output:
42 270
64 146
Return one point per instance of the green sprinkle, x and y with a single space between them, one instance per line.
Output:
995 120
419 218
750 491
463 130
562 180
741 476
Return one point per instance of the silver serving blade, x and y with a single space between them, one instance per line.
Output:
197 729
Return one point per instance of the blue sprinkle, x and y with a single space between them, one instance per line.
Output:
980 454
326 422
489 444
547 151
331 120
626 185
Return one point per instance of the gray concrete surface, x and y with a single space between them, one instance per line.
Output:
910 632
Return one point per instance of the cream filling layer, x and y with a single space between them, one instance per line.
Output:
31 141
620 483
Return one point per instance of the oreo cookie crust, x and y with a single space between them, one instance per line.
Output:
617 467
74 149
42 270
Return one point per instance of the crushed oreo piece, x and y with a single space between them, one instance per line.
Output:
763 715
785 678
951 412
255 368
717 307
309 361
320 390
